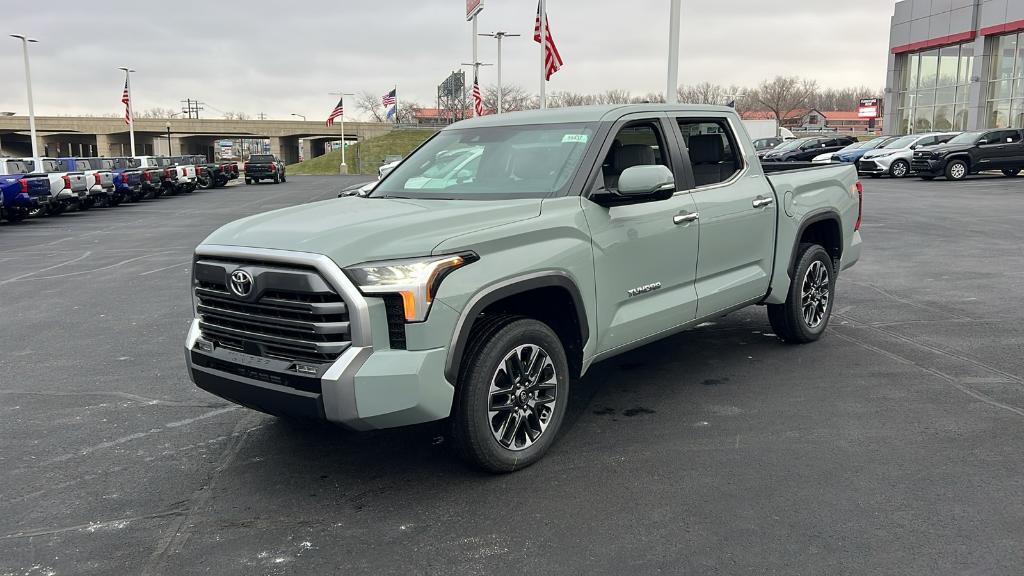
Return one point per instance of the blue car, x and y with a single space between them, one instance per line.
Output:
853 152
20 190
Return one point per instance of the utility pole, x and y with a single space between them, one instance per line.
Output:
499 35
28 84
341 96
191 107
671 91
261 116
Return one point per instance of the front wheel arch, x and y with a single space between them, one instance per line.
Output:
551 298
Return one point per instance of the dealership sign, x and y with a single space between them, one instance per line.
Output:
869 108
473 7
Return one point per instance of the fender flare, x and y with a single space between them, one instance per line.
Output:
813 218
491 294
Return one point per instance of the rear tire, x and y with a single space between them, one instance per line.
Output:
956 170
525 357
899 169
283 178
1011 173
804 316
277 179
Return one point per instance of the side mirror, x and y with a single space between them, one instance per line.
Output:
646 180
640 184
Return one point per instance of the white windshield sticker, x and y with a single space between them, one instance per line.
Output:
581 138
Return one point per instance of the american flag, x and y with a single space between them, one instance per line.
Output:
553 60
389 98
338 111
478 102
127 104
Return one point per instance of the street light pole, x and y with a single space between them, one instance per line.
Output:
28 84
131 107
300 116
499 35
671 91
341 95
168 125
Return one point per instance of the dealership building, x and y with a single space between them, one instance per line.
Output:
955 65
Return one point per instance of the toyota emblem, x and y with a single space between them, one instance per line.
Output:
241 283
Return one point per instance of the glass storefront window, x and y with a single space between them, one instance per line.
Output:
1006 85
966 64
999 114
1004 57
943 118
949 62
1017 113
929 68
930 84
960 118
923 118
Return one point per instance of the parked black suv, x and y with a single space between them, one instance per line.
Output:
805 149
970 153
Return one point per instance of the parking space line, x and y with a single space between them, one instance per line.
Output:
165 268
86 255
80 272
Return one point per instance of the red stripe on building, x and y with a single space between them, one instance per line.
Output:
1003 28
937 42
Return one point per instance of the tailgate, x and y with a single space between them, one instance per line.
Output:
38 185
78 181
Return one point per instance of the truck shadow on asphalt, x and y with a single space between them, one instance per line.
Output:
653 382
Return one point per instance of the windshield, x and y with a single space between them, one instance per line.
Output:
966 138
902 142
494 162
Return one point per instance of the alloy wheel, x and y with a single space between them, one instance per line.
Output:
899 169
958 170
522 396
814 294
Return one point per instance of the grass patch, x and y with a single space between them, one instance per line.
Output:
364 157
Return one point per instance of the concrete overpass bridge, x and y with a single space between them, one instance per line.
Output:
91 136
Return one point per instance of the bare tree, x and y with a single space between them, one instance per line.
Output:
156 112
236 116
513 98
407 111
371 105
785 94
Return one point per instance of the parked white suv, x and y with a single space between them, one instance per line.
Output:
894 158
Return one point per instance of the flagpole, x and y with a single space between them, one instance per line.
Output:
671 91
475 59
341 100
543 53
131 108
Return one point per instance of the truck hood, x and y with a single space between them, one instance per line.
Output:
353 230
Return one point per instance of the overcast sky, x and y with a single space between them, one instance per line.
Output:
284 57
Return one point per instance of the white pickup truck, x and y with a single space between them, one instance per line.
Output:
177 177
100 182
67 188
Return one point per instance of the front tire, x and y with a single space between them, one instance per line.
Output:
512 394
1012 172
956 170
899 169
804 316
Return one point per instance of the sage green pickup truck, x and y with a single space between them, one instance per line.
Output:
506 256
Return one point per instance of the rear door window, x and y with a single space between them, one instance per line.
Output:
711 146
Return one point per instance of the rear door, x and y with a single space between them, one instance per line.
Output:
645 254
737 214
998 149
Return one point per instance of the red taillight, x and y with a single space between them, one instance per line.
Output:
273 167
860 204
67 181
24 185
246 167
168 172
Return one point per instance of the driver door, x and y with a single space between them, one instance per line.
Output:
645 253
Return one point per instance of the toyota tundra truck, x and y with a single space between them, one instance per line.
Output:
573 236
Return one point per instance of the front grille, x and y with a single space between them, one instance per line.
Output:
868 165
292 313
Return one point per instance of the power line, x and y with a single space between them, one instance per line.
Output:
191 108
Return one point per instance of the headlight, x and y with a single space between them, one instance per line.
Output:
416 280
883 154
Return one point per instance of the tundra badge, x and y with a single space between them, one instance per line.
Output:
643 289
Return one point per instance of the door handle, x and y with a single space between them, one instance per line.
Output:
762 202
684 218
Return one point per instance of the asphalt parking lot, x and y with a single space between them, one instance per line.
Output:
892 446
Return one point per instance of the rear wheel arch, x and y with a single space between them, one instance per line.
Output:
553 299
823 228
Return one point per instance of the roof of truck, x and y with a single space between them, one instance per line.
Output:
580 114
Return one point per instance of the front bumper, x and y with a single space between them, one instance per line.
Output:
874 165
369 386
928 166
